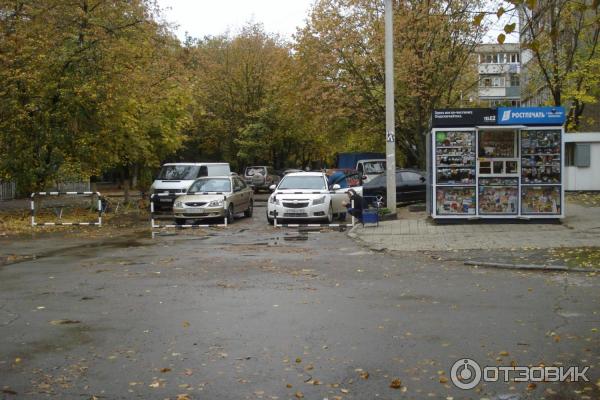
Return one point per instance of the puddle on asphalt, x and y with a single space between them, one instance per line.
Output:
110 244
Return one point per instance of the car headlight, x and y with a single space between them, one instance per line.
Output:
319 200
216 203
274 200
178 204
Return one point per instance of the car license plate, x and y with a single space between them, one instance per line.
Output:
195 210
296 211
165 200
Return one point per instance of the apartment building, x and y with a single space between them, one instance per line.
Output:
499 69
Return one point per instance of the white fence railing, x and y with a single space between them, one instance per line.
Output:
8 190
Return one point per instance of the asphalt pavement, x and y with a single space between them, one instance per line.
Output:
256 312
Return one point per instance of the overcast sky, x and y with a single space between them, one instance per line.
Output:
212 17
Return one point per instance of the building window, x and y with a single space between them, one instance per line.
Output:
498 81
490 58
577 155
492 81
514 58
570 154
582 155
514 80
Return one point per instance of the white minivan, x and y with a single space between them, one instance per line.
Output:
174 179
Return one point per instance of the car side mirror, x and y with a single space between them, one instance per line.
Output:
336 187
272 188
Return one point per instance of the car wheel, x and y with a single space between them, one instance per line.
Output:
229 215
248 212
180 221
329 217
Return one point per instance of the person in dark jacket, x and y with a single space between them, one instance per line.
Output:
356 204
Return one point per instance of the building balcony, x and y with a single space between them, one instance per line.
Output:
511 92
492 92
485 69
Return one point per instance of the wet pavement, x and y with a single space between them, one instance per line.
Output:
255 312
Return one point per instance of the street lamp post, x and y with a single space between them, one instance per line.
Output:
390 135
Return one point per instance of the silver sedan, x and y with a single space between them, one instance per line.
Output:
214 197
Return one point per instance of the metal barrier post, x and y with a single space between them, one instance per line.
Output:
152 211
99 211
32 210
226 210
352 204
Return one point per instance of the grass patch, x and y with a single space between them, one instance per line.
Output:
18 222
586 199
578 257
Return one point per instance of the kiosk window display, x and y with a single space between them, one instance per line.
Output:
496 163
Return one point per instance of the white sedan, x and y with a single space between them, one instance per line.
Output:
306 196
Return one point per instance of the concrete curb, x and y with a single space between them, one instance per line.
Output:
351 234
529 267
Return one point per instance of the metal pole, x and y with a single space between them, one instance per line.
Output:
390 137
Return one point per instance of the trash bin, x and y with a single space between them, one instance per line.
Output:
370 216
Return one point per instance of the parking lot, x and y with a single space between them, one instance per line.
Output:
253 311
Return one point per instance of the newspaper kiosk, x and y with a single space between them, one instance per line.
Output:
496 163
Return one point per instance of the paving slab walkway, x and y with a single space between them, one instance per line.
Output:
415 232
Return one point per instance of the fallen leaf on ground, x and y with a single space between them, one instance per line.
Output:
503 353
183 397
299 395
157 384
443 379
364 375
64 321
164 370
396 384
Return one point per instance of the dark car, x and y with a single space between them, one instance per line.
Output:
353 177
261 177
410 187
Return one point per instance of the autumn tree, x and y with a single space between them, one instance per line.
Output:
86 86
560 42
433 41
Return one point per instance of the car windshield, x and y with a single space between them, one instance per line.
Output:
251 171
380 181
178 172
211 185
374 167
303 182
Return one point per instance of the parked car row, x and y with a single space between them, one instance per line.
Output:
199 191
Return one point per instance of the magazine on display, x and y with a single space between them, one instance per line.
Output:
455 200
540 156
540 200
